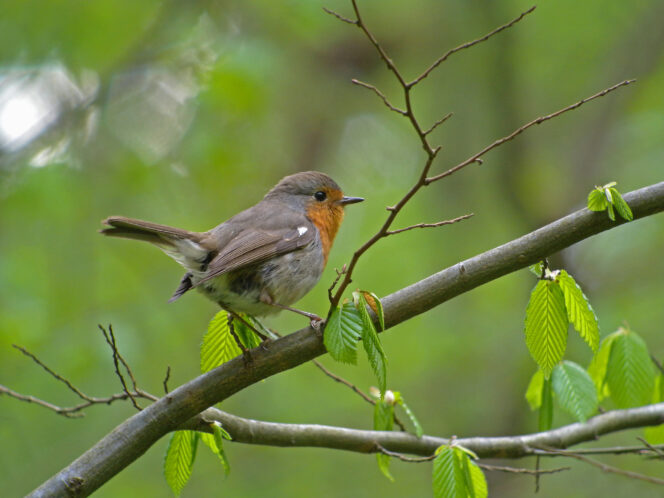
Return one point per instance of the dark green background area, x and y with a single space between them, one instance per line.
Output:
269 95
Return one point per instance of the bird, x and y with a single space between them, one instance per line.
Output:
264 258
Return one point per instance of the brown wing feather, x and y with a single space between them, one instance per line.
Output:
254 247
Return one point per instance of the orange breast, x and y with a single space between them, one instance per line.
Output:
327 217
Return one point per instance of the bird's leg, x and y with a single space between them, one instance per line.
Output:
314 320
251 327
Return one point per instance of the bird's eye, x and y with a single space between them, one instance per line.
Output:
320 196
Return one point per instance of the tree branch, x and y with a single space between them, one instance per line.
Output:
135 435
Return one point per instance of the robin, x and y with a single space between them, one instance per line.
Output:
261 260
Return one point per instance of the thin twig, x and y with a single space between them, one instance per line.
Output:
657 363
381 95
469 44
340 273
616 450
74 411
339 16
71 387
518 131
604 467
438 123
168 376
430 225
517 470
355 389
402 457
117 359
656 450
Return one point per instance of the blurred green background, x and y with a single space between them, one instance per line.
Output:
184 113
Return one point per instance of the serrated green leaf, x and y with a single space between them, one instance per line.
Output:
546 325
219 345
413 420
210 442
597 367
630 373
534 391
383 421
247 336
545 421
621 206
597 200
342 331
579 311
376 306
371 342
448 480
479 481
179 460
655 435
574 390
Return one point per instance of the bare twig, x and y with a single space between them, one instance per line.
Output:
517 470
340 273
439 122
469 44
168 376
402 457
430 225
518 131
339 16
76 410
117 359
381 95
656 449
604 467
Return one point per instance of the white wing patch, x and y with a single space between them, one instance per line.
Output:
302 230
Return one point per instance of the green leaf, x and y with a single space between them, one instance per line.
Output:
574 390
371 342
342 331
597 367
478 480
413 419
545 421
597 200
534 391
611 212
180 458
621 206
579 311
655 435
536 269
247 336
630 373
376 306
546 325
219 345
448 479
383 421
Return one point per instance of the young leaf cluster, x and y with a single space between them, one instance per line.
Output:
384 421
351 322
608 198
455 475
555 302
218 347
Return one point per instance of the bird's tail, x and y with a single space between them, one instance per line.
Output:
182 245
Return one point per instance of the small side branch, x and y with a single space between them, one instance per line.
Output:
469 44
381 95
476 157
117 359
431 225
605 467
438 123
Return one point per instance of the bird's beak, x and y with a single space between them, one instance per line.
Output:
350 200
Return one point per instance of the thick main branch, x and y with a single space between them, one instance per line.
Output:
134 436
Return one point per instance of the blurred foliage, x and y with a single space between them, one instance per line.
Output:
187 112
